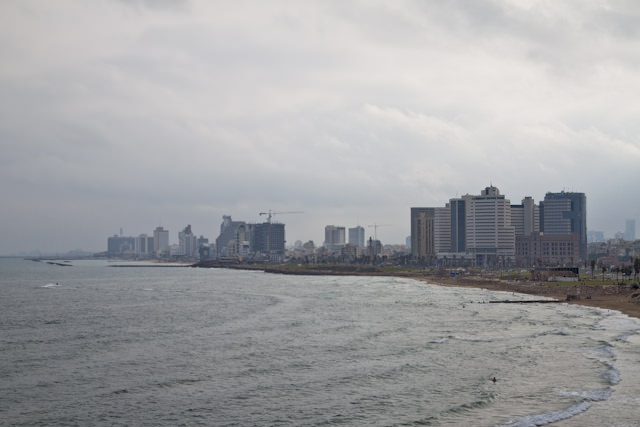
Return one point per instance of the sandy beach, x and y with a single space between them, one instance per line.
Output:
612 297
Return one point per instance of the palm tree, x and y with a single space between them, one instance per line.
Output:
604 269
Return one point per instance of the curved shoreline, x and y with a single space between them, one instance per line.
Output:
611 297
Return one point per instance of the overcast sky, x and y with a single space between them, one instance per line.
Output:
134 114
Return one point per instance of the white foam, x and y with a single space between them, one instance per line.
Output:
50 285
612 374
592 395
549 417
439 341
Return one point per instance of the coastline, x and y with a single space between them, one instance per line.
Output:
609 297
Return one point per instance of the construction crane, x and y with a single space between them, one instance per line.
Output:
270 214
375 229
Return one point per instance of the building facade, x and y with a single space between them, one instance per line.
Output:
334 238
630 230
160 241
268 238
356 236
540 249
423 234
187 243
564 213
490 237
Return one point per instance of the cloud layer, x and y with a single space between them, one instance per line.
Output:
136 114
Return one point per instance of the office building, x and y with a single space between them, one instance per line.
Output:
540 249
422 234
160 241
442 229
143 246
120 246
630 230
356 236
490 237
187 243
334 238
564 213
268 238
525 217
233 239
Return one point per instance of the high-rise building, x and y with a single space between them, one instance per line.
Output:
630 230
563 213
525 218
187 243
268 238
442 229
120 246
356 236
334 237
234 236
457 208
422 234
490 237
143 246
160 241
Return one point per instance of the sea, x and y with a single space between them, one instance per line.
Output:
93 344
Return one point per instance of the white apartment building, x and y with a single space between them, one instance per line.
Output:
442 229
490 237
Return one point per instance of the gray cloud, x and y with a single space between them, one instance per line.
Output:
135 114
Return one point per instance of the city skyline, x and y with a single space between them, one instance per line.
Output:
137 114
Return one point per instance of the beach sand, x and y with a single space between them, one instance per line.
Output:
612 297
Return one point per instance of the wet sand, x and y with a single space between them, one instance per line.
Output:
612 297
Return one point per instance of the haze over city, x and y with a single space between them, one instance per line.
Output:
136 114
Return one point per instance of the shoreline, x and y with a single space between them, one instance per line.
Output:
608 297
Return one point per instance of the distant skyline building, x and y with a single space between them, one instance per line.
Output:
120 246
630 230
334 237
563 213
143 246
486 229
525 217
490 236
233 237
595 236
442 229
160 241
187 243
458 225
356 236
423 233
268 238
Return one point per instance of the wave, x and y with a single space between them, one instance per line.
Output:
50 285
592 395
612 374
548 417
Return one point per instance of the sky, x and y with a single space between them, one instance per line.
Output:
136 114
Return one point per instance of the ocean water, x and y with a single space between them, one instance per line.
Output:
106 346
